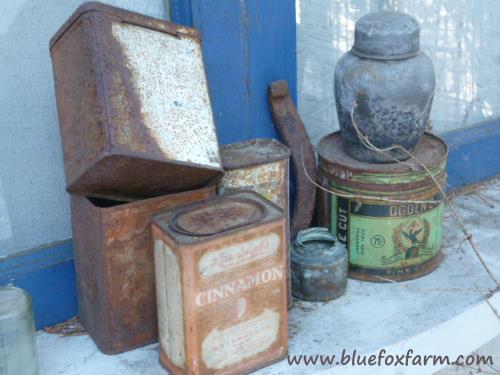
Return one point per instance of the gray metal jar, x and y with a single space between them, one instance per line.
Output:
387 84
319 266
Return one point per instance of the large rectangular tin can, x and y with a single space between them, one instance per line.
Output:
261 165
221 285
392 224
115 267
133 103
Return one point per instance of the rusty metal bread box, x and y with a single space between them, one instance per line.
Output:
115 267
221 285
133 103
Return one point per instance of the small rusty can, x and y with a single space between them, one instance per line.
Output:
221 286
133 103
394 231
319 266
261 165
115 267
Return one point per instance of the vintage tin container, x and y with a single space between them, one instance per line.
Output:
221 285
115 267
386 240
385 83
261 165
319 265
133 102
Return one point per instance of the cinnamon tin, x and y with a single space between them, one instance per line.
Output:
133 102
115 267
221 285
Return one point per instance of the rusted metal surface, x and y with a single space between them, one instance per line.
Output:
133 102
319 265
115 267
386 240
71 327
221 286
292 130
261 165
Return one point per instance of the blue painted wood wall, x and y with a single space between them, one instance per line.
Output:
247 44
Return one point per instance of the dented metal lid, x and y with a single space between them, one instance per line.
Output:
432 152
253 152
218 215
386 36
409 177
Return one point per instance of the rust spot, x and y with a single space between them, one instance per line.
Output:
115 268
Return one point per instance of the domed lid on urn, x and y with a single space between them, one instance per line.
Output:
386 36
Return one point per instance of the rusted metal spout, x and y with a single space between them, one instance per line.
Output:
294 135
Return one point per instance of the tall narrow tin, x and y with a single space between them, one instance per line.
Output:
115 267
261 165
133 102
221 290
397 240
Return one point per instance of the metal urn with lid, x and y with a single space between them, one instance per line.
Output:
385 83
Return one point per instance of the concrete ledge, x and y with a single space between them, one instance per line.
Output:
443 313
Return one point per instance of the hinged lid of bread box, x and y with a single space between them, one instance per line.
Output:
133 102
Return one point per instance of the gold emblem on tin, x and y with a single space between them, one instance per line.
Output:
410 241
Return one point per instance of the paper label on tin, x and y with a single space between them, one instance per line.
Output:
229 346
237 255
169 303
267 179
239 285
388 237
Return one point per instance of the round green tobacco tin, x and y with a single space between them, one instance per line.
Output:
386 241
